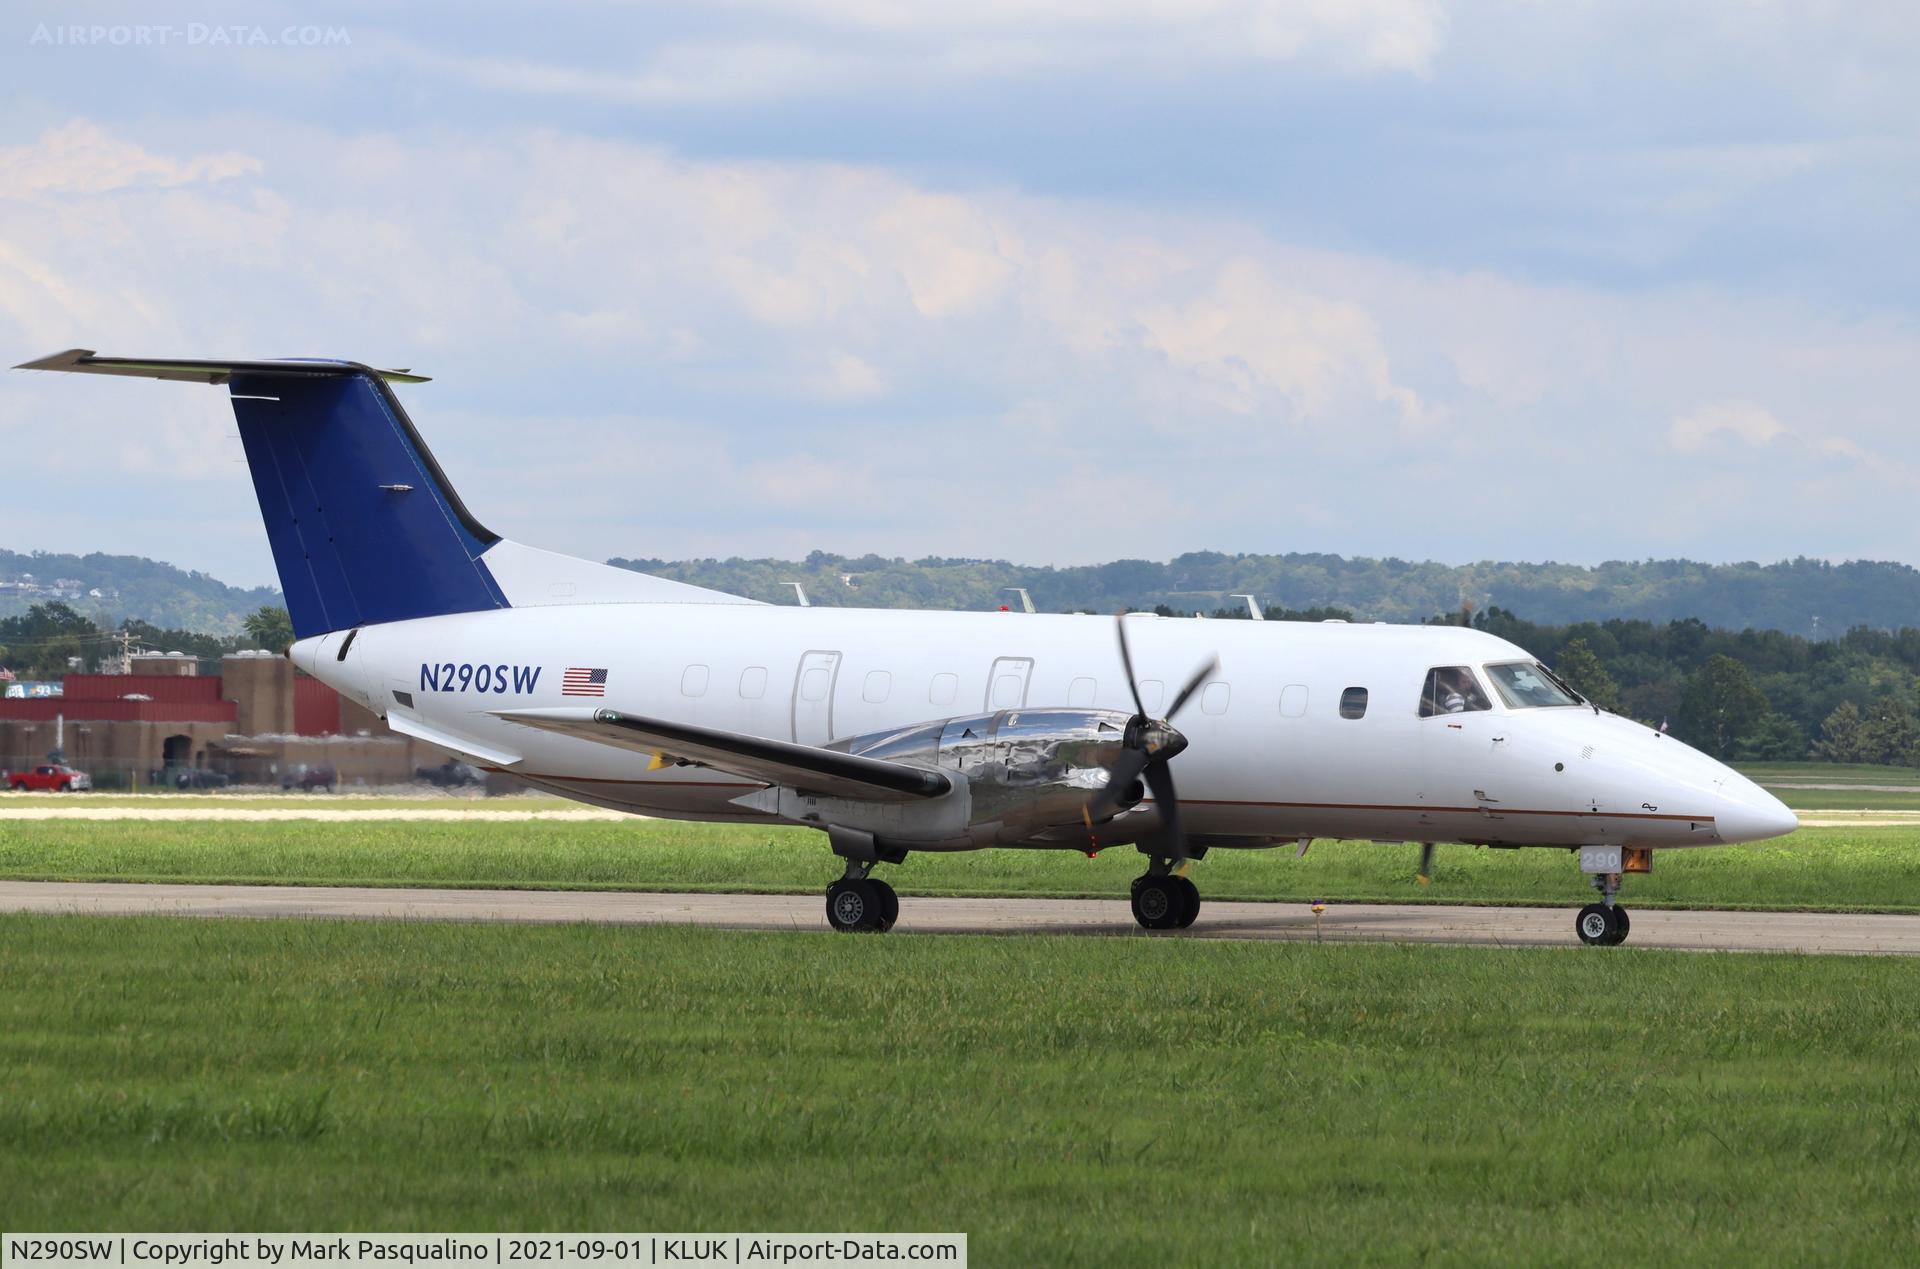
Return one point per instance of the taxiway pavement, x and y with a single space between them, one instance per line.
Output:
1346 922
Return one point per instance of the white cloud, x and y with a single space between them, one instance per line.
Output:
834 46
764 356
81 159
1713 425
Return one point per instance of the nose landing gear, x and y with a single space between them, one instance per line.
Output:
1603 924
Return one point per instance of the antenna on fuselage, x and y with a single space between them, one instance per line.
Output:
1026 600
799 593
1253 607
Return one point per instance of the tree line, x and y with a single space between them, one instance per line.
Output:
49 640
1752 695
1810 597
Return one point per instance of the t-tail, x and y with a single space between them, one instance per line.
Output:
365 527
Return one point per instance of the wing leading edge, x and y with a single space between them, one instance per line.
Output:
828 772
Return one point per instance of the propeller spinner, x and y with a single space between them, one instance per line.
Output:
1149 746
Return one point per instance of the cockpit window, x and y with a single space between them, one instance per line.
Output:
1452 689
1530 685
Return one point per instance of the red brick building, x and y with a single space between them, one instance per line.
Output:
254 720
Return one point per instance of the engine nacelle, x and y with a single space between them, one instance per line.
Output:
1020 776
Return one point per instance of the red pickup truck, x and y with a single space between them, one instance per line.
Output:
50 777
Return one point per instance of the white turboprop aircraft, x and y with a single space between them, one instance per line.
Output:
901 731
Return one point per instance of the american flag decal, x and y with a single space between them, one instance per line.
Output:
582 681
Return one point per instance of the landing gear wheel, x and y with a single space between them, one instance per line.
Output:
1621 925
889 903
854 906
1600 925
1190 893
1159 903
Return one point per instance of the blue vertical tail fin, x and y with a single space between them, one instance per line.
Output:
364 526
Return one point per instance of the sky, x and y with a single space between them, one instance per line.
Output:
1059 281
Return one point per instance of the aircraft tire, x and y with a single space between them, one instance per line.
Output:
1597 925
1621 925
1159 903
1190 893
889 903
853 906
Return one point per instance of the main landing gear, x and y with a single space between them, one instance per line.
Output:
859 903
1164 900
1603 924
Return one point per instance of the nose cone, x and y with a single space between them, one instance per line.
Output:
1748 813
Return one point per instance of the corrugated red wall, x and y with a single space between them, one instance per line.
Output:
161 687
316 708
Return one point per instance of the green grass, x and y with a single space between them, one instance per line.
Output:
1814 800
1765 773
1063 1101
255 800
1858 869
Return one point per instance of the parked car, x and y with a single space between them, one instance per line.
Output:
451 774
199 778
50 777
304 776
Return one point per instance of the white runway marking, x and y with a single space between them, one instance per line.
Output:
1384 923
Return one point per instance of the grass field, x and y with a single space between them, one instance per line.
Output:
1768 773
1846 799
268 800
1855 869
1061 1100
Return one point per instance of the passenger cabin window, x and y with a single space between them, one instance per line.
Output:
1293 700
693 681
878 686
1452 689
1215 698
943 688
753 682
1353 703
1530 685
813 684
1080 693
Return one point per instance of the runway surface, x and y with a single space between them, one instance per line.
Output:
1417 923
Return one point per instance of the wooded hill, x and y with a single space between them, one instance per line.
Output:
1808 597
1805 597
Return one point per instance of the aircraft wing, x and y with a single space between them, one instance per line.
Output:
805 767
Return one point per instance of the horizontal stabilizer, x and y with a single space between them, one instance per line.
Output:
87 362
827 772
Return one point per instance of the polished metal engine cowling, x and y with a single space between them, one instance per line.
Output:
1024 773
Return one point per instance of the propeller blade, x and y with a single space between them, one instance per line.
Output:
1173 838
1200 676
1125 770
1126 664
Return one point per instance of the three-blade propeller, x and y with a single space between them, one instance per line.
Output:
1151 744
